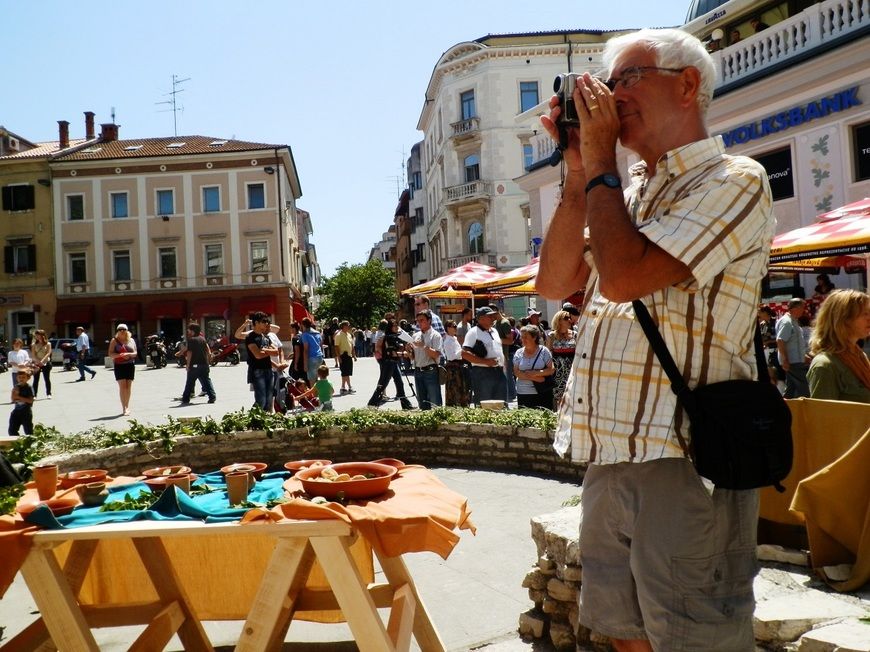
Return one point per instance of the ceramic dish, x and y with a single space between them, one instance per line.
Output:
86 476
158 484
368 488
162 471
255 468
298 464
58 506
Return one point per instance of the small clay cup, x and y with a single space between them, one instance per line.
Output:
45 477
180 480
238 484
93 493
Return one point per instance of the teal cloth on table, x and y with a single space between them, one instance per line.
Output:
172 505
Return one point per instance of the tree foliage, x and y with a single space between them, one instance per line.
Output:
358 293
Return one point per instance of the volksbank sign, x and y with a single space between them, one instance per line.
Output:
793 117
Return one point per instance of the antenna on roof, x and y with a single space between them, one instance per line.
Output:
176 82
113 115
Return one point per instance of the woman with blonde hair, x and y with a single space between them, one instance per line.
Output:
562 343
840 370
122 350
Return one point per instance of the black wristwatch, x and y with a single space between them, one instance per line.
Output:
609 180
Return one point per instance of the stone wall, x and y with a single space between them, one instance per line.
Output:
479 446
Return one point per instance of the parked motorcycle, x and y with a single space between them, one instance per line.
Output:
178 351
155 350
70 356
222 350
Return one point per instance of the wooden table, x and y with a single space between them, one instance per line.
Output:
281 590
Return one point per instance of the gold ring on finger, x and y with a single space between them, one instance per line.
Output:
594 107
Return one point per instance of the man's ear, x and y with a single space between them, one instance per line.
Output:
690 85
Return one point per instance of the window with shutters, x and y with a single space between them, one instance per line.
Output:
20 197
19 258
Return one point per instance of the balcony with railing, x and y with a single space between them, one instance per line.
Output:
483 259
469 193
465 129
816 27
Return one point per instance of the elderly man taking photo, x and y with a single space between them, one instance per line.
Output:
668 560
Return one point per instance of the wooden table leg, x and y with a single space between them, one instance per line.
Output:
76 565
275 602
166 582
56 602
350 591
397 574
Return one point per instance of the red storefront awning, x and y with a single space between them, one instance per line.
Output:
213 307
264 303
129 311
74 314
174 309
300 312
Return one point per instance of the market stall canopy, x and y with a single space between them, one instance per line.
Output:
829 265
515 277
844 231
464 277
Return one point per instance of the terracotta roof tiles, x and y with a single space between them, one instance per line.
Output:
42 150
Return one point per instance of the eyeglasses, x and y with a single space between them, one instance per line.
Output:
630 76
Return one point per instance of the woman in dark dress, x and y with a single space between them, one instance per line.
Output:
562 344
297 365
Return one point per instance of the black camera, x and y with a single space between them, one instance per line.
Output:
393 346
563 87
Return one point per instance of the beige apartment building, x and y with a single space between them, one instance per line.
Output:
159 232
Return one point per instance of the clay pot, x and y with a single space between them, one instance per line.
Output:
93 493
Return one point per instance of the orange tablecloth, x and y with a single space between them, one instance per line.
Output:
418 513
822 431
835 505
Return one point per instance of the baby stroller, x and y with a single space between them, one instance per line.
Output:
299 397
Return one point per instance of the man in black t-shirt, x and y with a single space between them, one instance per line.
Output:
260 349
198 357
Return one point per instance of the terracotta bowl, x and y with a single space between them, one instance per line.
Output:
74 478
58 506
158 484
368 488
255 468
298 464
163 471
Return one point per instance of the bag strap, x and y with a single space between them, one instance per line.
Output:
535 361
678 383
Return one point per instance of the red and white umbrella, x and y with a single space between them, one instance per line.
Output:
516 277
464 277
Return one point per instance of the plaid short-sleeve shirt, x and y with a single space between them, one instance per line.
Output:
713 212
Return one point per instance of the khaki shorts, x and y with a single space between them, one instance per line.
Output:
665 560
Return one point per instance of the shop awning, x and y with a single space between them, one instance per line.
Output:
74 314
264 303
212 307
129 311
173 309
300 312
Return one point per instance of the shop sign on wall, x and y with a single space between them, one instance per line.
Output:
11 299
798 115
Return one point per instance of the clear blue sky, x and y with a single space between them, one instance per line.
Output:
341 82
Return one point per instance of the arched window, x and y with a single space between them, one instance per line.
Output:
472 168
475 238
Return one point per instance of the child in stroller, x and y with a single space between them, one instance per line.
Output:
301 397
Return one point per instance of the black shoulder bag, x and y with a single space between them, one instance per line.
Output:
740 429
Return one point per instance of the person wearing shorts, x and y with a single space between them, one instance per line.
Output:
122 350
668 560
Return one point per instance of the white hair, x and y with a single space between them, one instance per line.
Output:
673 48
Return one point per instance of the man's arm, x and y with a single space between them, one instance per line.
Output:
783 355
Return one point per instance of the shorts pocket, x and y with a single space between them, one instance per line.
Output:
714 602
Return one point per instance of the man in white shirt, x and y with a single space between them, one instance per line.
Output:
426 349
482 348
83 345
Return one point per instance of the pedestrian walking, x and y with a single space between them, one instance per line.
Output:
389 350
312 345
793 349
22 409
122 350
83 346
426 351
41 353
197 358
